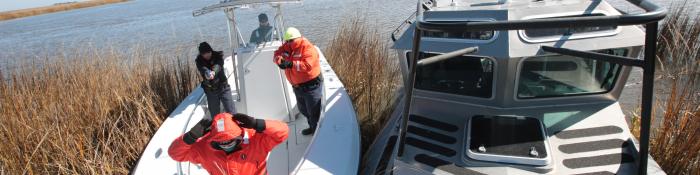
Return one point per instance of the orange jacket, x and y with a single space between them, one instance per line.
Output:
250 160
304 58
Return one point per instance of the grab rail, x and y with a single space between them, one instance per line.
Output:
402 26
654 13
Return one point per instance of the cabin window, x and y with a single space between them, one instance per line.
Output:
478 35
464 75
556 32
561 75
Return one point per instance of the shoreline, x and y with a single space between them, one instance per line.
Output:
14 14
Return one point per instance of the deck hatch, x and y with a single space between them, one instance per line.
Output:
507 139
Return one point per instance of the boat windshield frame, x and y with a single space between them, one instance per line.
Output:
616 70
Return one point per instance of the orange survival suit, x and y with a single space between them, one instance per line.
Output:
304 58
249 159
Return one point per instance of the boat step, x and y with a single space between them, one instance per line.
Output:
609 159
593 146
588 132
444 165
433 123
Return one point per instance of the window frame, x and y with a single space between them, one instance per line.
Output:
462 40
518 72
523 36
493 79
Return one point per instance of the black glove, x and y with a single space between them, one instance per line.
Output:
285 64
197 131
246 121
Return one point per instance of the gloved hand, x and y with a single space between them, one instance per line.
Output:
197 131
277 59
285 64
211 75
246 121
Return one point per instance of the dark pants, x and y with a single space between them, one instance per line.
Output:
309 102
216 97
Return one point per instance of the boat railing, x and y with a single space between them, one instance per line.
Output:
425 5
402 26
238 3
649 18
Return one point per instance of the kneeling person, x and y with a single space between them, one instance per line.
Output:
222 147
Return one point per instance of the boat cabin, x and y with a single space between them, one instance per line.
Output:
511 102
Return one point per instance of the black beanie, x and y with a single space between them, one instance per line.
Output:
204 47
262 17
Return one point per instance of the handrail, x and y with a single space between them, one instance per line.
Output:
234 4
402 25
443 57
653 13
650 19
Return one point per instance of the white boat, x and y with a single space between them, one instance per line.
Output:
261 90
519 87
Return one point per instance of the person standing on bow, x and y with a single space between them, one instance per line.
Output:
210 64
300 61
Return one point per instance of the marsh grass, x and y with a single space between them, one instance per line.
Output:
362 59
675 143
92 112
54 8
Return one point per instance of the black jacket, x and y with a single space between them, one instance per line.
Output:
215 64
261 34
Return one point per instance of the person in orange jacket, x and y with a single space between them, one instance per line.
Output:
300 61
222 147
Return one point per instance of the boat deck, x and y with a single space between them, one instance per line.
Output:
337 136
580 143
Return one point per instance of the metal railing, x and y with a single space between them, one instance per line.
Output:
650 18
403 25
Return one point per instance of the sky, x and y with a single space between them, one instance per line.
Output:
7 5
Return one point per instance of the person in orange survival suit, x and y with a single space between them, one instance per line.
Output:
300 61
222 147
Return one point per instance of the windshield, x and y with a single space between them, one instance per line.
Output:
560 75
464 75
558 32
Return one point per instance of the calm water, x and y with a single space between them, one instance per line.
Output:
169 23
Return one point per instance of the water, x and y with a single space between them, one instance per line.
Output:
169 23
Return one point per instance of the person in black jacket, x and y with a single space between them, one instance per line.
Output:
264 31
210 64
